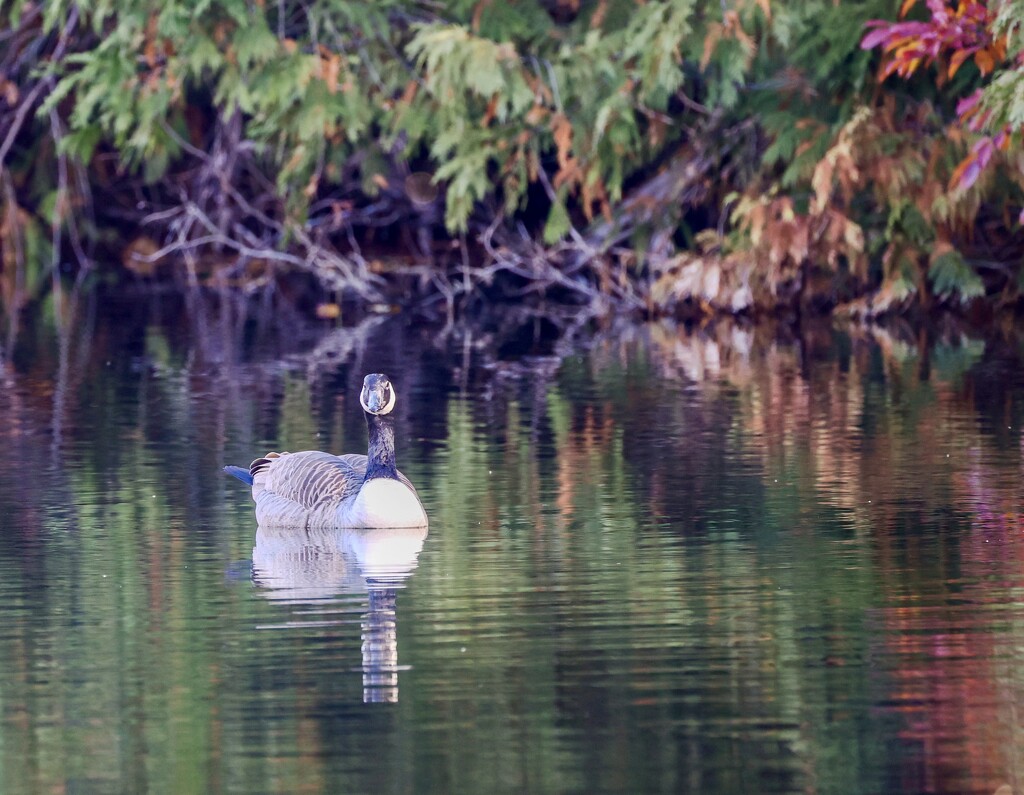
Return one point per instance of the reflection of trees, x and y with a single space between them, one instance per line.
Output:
831 453
897 440
739 554
957 674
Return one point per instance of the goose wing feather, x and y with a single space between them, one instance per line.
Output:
312 479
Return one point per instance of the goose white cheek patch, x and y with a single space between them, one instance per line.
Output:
363 401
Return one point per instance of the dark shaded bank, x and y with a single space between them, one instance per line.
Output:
209 328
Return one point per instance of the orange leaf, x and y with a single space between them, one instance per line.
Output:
898 44
887 70
710 40
907 68
561 129
10 91
536 114
957 181
747 43
149 50
986 63
569 174
802 147
333 67
954 63
478 12
410 92
492 110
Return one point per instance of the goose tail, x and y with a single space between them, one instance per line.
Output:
240 473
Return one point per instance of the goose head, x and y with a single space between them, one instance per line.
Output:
378 395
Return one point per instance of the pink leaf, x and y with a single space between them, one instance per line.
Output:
874 38
984 149
970 174
968 103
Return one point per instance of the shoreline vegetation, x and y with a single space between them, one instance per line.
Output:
661 159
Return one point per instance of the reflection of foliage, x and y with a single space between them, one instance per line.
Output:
707 539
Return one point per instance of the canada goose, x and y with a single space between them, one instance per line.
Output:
312 489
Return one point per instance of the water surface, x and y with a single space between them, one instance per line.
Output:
713 561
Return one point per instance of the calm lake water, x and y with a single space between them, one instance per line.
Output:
719 561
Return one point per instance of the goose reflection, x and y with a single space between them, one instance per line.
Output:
297 567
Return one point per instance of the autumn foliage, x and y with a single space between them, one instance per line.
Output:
951 36
671 157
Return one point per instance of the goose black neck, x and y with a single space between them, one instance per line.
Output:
380 456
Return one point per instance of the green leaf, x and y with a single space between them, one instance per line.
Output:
950 275
558 223
80 144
